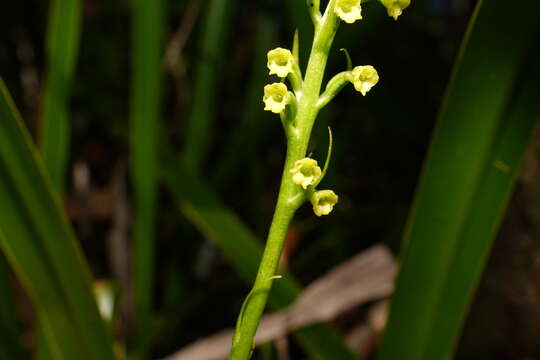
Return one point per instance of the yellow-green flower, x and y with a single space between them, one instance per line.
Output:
364 78
280 62
348 10
305 172
395 7
323 202
276 97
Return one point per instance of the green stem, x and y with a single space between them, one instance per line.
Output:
290 195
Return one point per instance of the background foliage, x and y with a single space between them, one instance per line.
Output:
219 156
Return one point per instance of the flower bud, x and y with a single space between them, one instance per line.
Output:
280 62
305 172
395 7
364 78
276 97
323 202
348 10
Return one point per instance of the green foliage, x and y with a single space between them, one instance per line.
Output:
41 247
62 49
212 61
10 339
148 37
477 147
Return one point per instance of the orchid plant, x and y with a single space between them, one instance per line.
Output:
298 107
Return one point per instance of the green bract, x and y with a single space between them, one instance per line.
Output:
395 7
364 78
275 97
280 62
323 202
348 10
305 172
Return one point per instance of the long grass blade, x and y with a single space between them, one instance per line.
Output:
216 29
147 42
62 48
63 35
40 245
247 133
221 226
472 164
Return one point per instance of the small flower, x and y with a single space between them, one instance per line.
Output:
305 172
395 7
348 10
364 78
280 62
323 202
276 97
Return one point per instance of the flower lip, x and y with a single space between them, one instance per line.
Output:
348 10
276 97
280 62
305 172
323 202
395 7
364 78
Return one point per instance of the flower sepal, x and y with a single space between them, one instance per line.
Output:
395 7
280 62
277 97
323 202
305 172
364 78
348 10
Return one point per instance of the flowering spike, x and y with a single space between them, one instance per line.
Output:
305 172
323 202
348 10
276 97
280 62
364 78
395 7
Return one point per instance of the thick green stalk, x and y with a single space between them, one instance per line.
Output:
290 197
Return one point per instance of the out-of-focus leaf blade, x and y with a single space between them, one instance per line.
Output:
221 226
247 133
40 245
148 19
62 47
10 332
212 61
469 173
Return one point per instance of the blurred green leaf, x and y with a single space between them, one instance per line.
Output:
41 247
10 332
470 170
148 35
248 131
221 226
212 62
63 34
